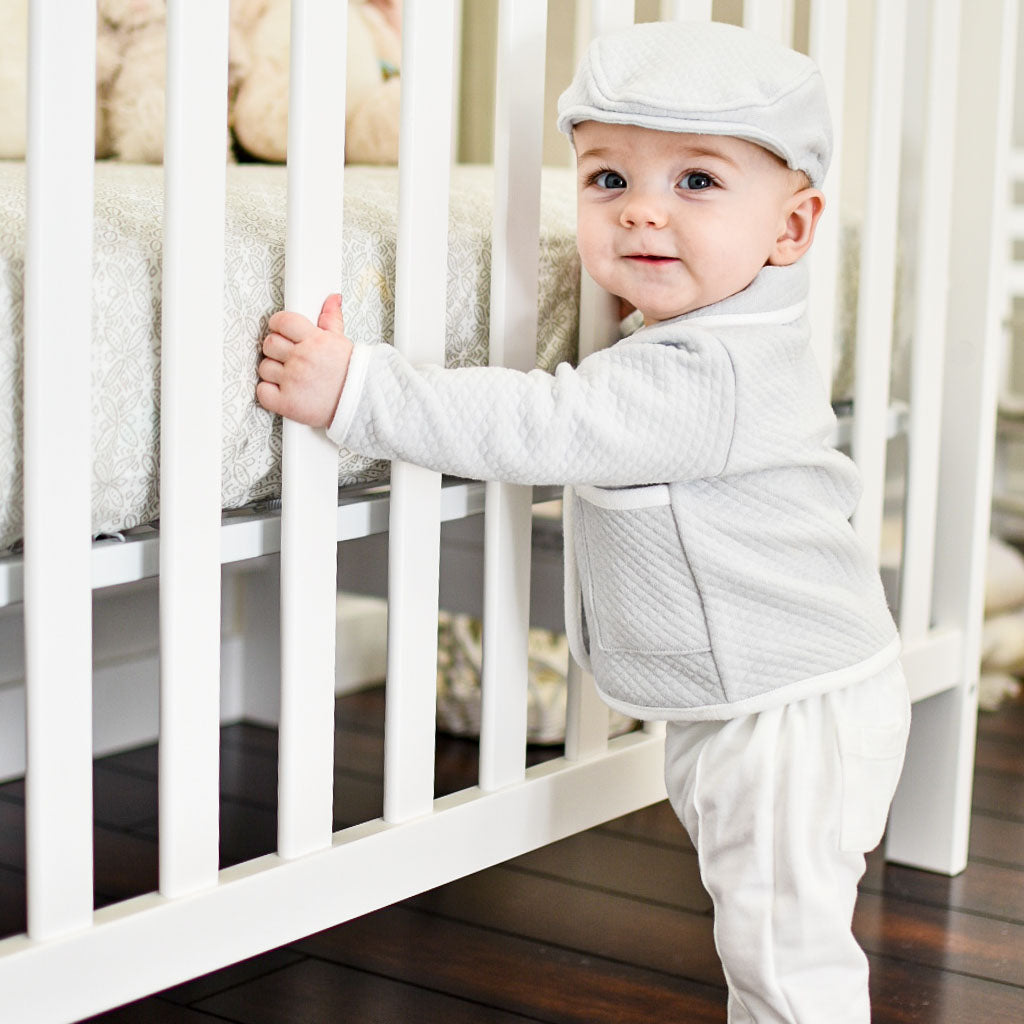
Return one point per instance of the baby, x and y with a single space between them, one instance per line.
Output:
712 577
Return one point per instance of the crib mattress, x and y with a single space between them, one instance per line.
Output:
126 317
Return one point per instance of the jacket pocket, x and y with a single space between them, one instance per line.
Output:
639 593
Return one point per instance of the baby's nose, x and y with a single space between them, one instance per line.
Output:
644 209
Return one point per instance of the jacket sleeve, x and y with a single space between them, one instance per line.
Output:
628 415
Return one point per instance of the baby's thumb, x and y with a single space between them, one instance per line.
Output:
330 315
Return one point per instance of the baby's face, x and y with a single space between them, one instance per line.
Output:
672 222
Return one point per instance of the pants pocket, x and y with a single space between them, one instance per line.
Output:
873 722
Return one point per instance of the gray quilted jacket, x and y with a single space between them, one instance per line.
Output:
711 570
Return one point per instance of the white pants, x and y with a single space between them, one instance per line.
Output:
782 806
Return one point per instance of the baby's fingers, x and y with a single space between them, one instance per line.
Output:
269 396
271 370
293 326
277 347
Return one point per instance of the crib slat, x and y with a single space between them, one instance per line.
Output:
771 18
190 413
586 718
876 288
685 10
828 49
515 251
428 32
316 156
932 269
57 452
598 17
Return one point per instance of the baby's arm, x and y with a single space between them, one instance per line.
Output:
305 365
631 414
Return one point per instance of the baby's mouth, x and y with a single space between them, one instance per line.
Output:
647 257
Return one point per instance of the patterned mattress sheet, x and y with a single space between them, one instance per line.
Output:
126 318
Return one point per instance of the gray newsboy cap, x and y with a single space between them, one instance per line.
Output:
709 78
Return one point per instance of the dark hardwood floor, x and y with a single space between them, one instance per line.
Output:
609 925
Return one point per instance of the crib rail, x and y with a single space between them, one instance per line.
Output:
318 877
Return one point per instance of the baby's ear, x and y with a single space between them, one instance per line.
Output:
799 218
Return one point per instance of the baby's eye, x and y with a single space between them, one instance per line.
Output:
608 179
696 181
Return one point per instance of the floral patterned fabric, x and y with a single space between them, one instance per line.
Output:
459 695
126 317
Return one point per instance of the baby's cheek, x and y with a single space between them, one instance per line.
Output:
597 259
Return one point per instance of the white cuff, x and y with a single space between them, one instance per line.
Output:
350 394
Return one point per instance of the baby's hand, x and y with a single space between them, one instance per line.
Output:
305 366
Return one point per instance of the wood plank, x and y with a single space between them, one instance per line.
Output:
126 865
246 832
939 937
906 993
656 823
1001 754
12 835
981 889
152 1011
619 864
363 710
12 902
997 839
1007 720
616 927
252 778
122 800
361 753
999 793
619 927
314 991
237 974
140 761
524 976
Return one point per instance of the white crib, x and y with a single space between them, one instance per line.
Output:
934 79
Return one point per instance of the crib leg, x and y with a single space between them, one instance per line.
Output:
931 815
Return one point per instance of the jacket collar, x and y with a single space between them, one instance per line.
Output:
778 295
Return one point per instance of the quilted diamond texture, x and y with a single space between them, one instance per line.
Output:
659 681
632 414
795 599
644 598
700 68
